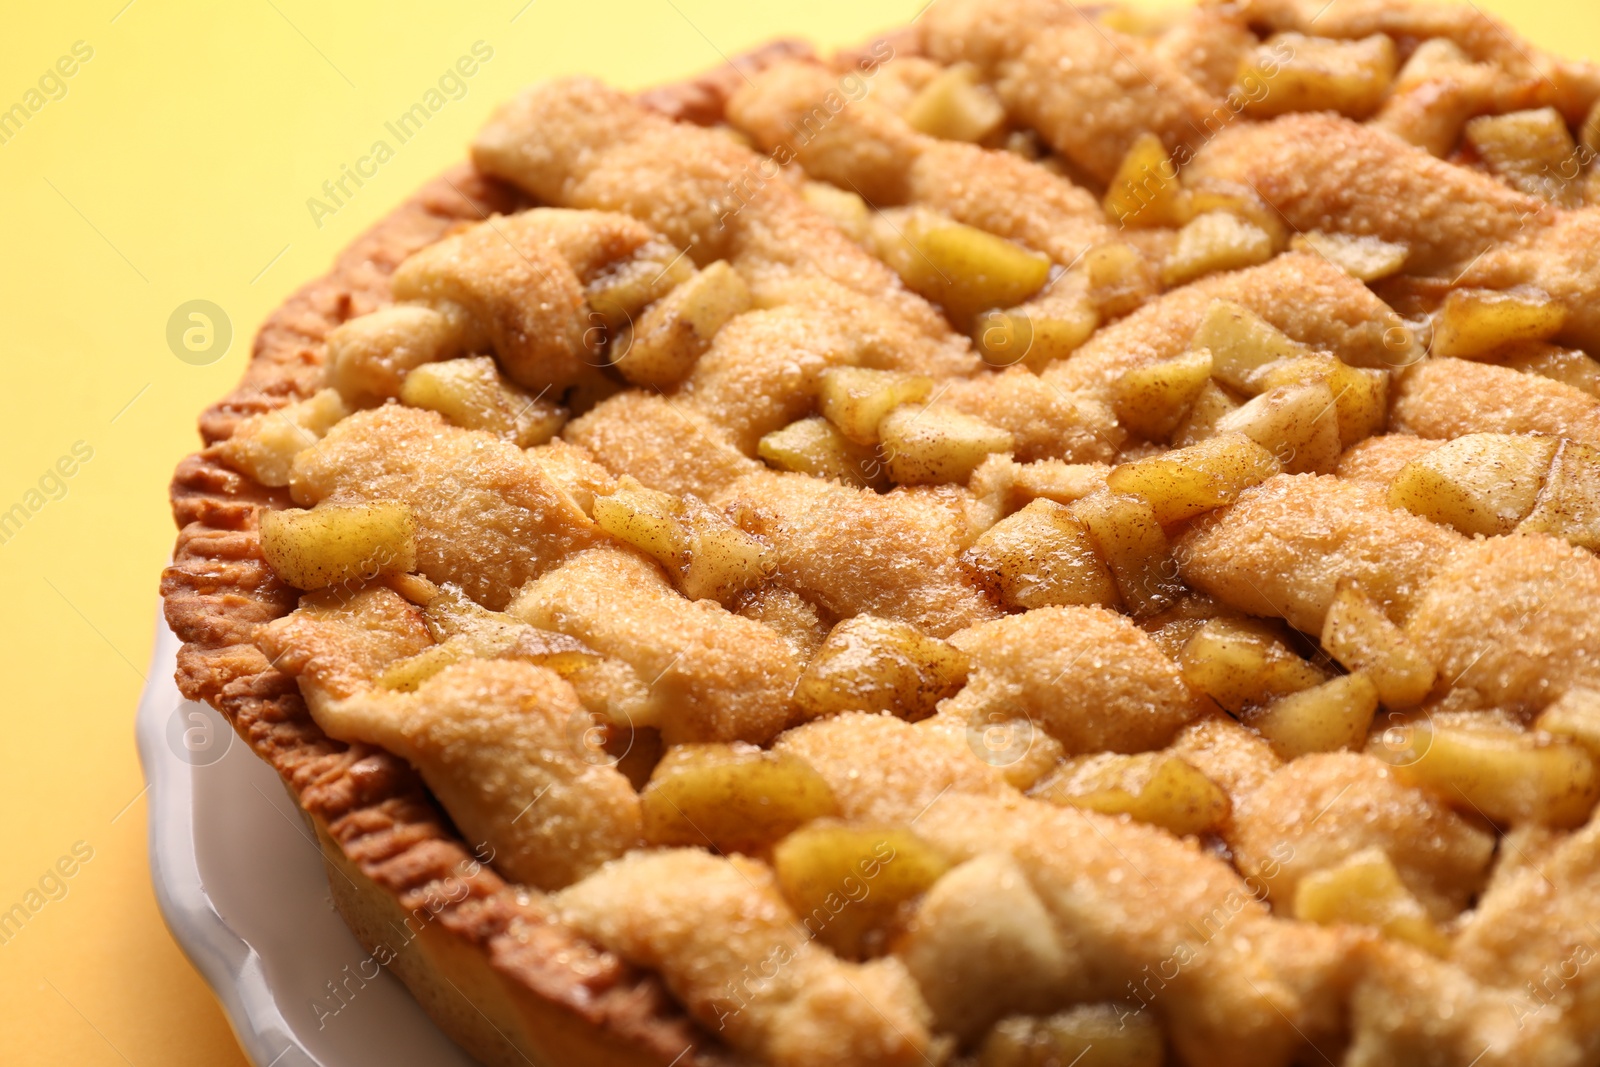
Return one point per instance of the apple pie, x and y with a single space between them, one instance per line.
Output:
1062 535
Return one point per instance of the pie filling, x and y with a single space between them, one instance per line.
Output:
1076 533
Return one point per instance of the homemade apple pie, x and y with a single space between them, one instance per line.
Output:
1062 536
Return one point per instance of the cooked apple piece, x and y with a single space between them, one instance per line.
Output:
1298 425
1153 400
1483 483
1153 787
1042 556
815 446
1210 405
1576 716
1244 663
961 268
1185 482
1130 539
1206 195
473 394
664 343
1472 323
880 665
264 446
1145 191
336 544
1050 327
1333 715
1366 890
933 445
1215 241
848 210
621 293
706 553
1360 394
848 884
1119 278
1360 636
1530 150
856 399
956 106
1367 258
1088 1035
1569 504
1503 773
736 798
1292 72
1566 365
1241 343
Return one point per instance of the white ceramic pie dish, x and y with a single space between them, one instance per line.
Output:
241 884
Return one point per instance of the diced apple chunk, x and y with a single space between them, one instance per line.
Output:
1129 538
963 269
473 394
848 210
335 544
264 446
1295 424
1241 343
1473 323
1145 190
676 330
934 445
1042 556
1333 715
1370 259
1186 482
1209 408
1089 1035
1244 663
1206 195
1119 278
848 884
956 106
856 399
705 552
879 665
1153 400
1575 715
1360 394
1531 150
1360 636
1215 241
1569 504
1366 890
815 446
736 798
1152 787
1502 773
1045 329
1293 72
1483 483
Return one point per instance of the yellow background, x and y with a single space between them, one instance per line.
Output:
177 167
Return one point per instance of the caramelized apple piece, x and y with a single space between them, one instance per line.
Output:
956 106
1042 556
1366 890
1089 1035
708 555
1531 150
1370 259
1474 322
1566 365
736 798
1129 538
1153 400
1241 343
1361 637
1215 241
1185 482
264 446
664 343
1298 425
1483 483
847 210
1145 190
856 399
1153 787
1569 504
1301 73
1576 716
336 544
933 445
848 884
473 394
880 665
1360 394
815 446
1242 663
1210 406
1333 715
963 269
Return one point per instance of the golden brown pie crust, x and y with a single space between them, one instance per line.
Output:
492 967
